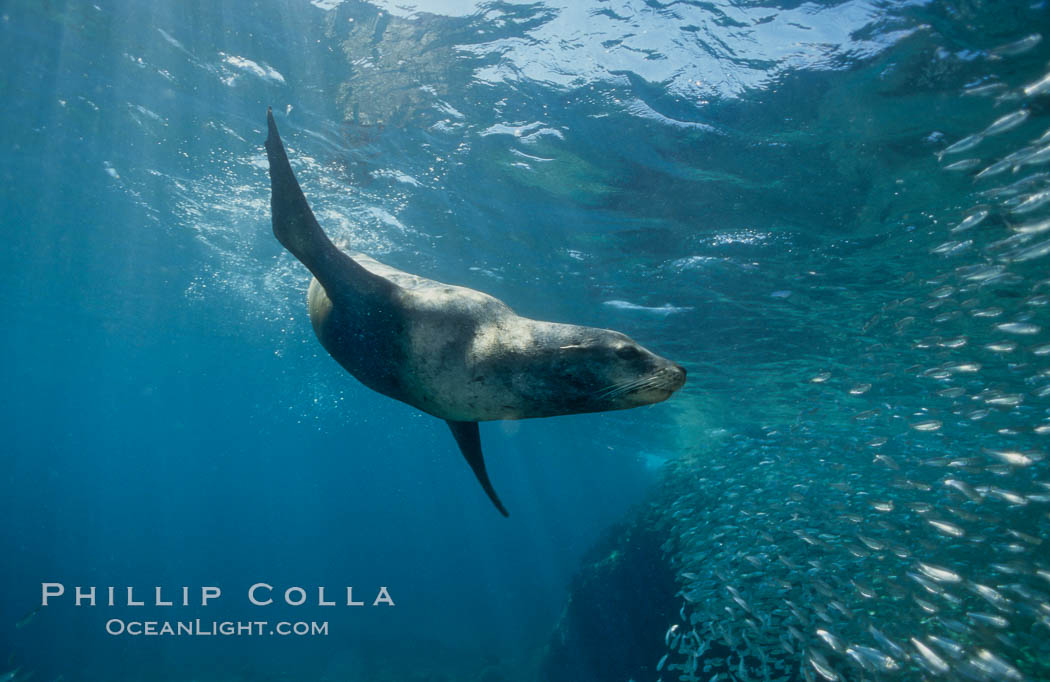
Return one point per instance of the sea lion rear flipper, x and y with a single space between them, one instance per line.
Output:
297 229
469 440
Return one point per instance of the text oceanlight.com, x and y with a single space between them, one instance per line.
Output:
199 628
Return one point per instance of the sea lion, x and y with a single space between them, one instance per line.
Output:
455 353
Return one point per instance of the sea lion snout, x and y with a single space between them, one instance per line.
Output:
672 377
678 379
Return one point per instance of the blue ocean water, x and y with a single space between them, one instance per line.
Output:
784 197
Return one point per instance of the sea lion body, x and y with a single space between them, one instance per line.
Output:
462 355
453 352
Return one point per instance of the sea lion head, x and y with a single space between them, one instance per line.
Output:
585 369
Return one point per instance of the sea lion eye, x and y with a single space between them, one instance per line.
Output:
627 352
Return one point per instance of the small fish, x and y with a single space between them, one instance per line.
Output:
972 220
26 620
857 551
994 169
939 573
965 488
1015 458
1017 187
872 659
950 248
928 585
924 605
865 590
832 640
1018 46
980 273
985 90
964 144
988 619
1029 594
888 461
1028 253
1032 202
823 668
1019 328
992 596
1030 539
872 544
1007 496
929 659
963 165
665 309
953 649
946 528
927 425
1008 122
1038 87
1037 227
1037 157
887 643
998 668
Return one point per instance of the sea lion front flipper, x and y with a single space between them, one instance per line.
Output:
297 229
469 440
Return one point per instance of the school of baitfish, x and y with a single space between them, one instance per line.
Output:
917 545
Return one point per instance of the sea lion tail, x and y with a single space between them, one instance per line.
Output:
294 223
469 440
297 229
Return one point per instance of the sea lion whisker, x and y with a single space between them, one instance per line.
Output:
607 390
620 388
636 384
654 381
